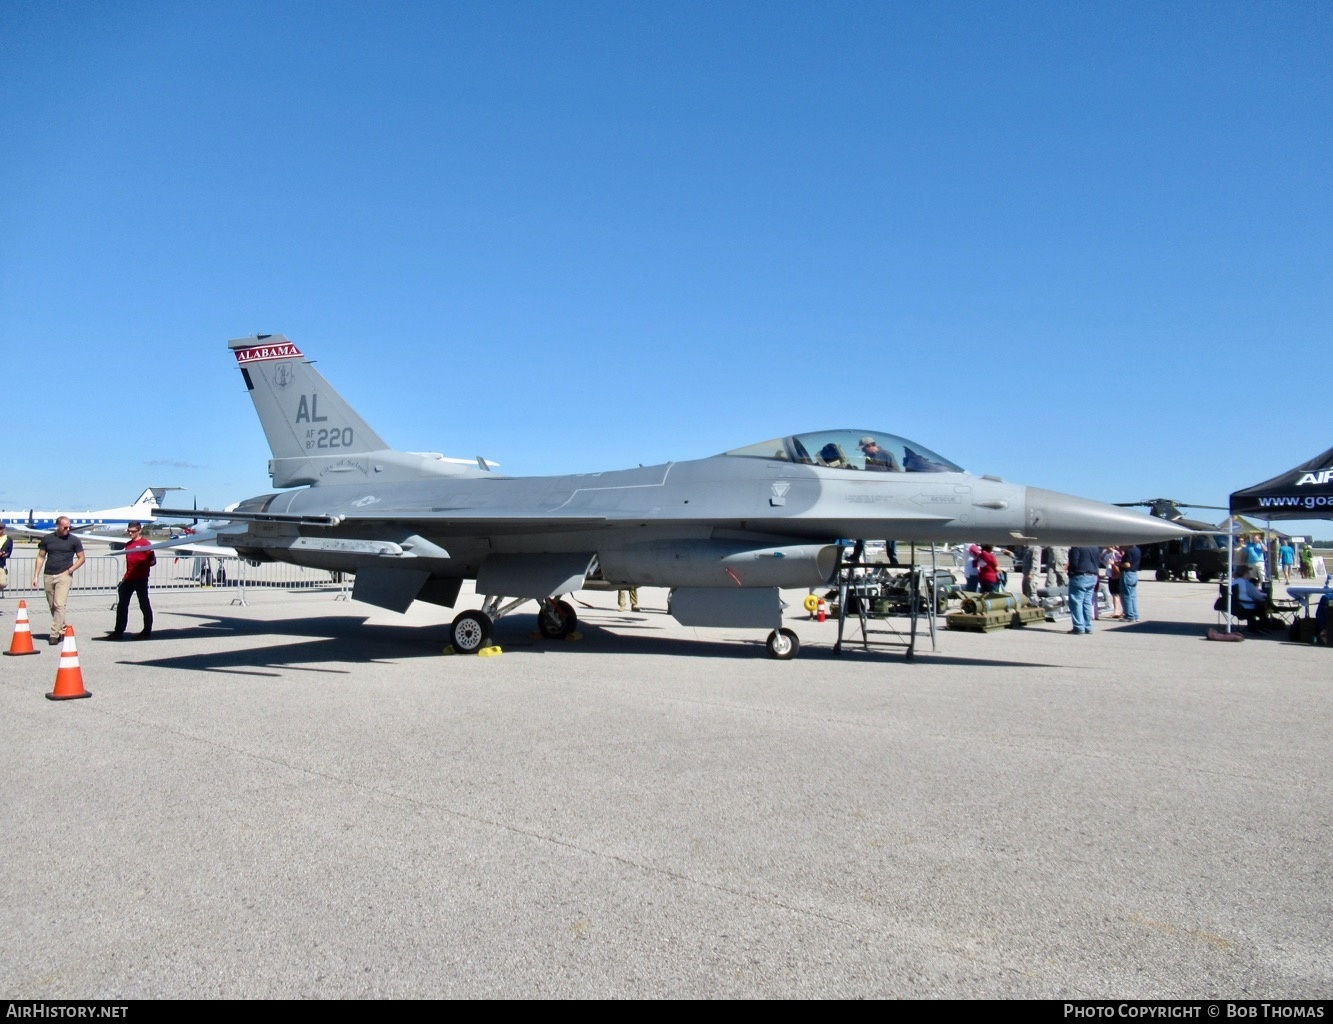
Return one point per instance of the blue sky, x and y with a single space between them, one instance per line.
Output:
1084 246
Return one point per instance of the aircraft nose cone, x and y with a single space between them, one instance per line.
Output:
1064 519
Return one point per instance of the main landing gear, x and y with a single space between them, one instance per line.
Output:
471 631
556 619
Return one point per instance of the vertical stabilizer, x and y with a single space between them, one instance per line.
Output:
143 505
313 433
301 414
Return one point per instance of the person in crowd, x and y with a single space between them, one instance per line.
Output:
971 569
59 557
988 570
1130 560
1307 562
1286 556
6 550
1321 618
138 564
1084 562
1111 573
1029 564
1057 563
1253 601
1256 558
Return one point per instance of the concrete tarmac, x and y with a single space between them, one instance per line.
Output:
304 797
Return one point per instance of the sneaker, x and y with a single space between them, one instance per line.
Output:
55 641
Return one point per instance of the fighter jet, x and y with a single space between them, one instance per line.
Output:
726 533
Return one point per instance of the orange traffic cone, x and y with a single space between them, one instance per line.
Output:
69 677
22 642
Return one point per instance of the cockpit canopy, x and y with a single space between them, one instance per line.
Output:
851 449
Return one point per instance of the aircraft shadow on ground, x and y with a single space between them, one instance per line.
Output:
349 641
329 639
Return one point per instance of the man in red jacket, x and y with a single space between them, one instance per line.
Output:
137 566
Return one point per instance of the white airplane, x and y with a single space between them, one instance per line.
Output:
35 523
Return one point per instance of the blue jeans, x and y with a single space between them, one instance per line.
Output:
1129 595
1081 590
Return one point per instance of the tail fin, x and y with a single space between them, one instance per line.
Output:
313 433
151 498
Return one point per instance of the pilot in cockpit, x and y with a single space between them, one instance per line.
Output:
878 458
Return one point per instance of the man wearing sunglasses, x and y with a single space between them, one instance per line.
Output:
59 557
138 564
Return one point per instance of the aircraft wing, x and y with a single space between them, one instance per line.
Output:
88 532
209 550
189 544
15 530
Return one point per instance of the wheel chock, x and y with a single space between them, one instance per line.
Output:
576 635
448 649
489 652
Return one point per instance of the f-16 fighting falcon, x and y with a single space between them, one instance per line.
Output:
726 533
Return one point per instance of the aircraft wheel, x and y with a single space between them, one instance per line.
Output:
1205 576
783 644
471 632
1163 575
557 621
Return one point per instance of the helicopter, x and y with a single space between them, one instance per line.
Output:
1202 552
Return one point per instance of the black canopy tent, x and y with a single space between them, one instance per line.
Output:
1305 492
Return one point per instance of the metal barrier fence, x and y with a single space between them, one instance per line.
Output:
104 572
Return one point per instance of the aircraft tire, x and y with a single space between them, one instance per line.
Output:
554 628
471 632
783 644
571 617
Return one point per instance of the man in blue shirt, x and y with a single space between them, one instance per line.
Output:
1287 558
